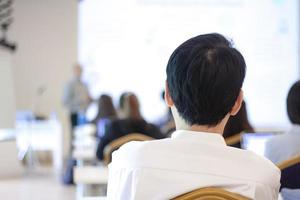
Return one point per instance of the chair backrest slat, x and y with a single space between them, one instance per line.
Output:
210 194
289 163
232 140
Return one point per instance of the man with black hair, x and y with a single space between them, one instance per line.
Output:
205 75
286 146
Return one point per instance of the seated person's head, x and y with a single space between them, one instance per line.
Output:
238 123
77 70
205 75
122 99
106 107
121 108
132 107
293 103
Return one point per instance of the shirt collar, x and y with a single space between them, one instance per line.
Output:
199 136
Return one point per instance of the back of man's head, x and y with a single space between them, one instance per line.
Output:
293 103
205 75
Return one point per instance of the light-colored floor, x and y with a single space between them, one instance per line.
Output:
40 184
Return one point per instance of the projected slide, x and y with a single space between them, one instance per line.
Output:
124 45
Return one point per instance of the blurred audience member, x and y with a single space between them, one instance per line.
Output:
132 123
106 113
285 146
76 98
121 112
238 124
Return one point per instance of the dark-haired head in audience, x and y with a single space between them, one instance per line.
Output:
293 103
121 104
132 122
132 107
206 89
238 124
106 113
106 107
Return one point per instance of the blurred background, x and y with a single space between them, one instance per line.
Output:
120 46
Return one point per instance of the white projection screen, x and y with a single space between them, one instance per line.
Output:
124 45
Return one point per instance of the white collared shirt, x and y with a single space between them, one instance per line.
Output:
164 169
284 146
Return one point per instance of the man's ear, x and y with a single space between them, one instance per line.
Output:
168 98
238 103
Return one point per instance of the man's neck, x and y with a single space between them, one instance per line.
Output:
218 129
182 125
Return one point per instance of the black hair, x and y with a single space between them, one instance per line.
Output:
122 99
162 95
293 103
205 75
106 107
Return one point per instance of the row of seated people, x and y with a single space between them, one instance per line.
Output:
112 125
132 122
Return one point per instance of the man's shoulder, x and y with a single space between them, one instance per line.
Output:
259 167
147 148
134 152
233 162
70 83
74 82
142 147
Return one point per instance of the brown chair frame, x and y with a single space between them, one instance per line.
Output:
117 143
289 162
233 139
210 194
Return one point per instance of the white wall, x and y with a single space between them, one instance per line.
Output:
7 96
46 33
